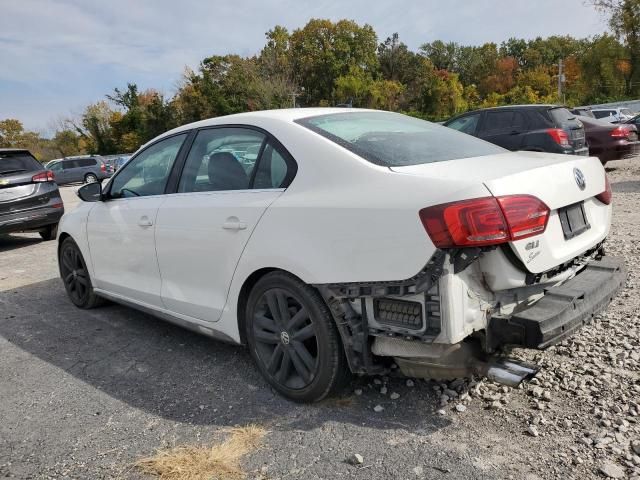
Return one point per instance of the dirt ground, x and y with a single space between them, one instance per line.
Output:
84 394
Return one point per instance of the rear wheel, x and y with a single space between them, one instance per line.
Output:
293 339
75 276
90 178
50 232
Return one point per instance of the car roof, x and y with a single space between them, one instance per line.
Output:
14 150
283 114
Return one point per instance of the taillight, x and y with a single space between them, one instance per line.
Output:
485 221
559 136
605 197
103 167
620 132
46 176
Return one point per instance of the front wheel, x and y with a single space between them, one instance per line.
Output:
75 276
293 339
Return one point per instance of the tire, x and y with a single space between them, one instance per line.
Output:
75 276
90 178
302 356
50 232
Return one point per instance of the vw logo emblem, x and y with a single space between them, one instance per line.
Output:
284 336
579 176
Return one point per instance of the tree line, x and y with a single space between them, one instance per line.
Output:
327 63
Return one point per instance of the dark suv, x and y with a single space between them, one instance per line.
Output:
87 169
29 196
538 128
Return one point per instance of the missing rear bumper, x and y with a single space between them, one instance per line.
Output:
563 309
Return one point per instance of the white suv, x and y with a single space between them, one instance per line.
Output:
333 241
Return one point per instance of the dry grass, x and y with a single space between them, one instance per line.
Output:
219 462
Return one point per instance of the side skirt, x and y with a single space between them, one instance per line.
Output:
186 322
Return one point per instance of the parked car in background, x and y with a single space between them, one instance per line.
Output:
338 240
613 115
583 112
609 141
86 169
115 163
29 197
538 128
634 121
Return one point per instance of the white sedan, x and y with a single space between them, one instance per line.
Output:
333 241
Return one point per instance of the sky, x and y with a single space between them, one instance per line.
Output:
57 56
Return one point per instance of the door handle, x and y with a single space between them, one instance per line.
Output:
233 223
145 222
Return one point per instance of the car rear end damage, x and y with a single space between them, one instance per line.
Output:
523 266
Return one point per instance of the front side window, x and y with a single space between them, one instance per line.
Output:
147 173
467 124
221 159
395 140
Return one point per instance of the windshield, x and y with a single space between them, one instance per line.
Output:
395 140
626 111
18 162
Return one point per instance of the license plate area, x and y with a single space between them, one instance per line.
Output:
574 220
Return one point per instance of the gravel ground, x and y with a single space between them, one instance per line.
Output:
85 394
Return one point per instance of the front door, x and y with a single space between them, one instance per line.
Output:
230 177
121 229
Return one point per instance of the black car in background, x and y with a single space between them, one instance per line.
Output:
538 128
29 196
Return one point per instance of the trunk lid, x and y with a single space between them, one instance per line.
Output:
549 177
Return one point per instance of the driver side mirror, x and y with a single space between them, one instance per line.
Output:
91 192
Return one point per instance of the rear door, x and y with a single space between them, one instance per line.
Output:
504 128
230 177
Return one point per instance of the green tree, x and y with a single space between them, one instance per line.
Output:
624 19
323 51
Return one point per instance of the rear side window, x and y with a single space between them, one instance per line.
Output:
18 162
274 171
561 115
395 140
221 159
86 162
603 113
504 121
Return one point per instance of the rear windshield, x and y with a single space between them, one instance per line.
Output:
603 113
562 116
626 111
18 162
395 140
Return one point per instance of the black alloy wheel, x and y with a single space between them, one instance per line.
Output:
286 340
75 275
293 338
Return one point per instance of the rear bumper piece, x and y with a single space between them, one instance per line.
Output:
563 309
33 219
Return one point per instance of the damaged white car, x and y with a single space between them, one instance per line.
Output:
333 241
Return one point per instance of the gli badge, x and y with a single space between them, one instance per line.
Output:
580 180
